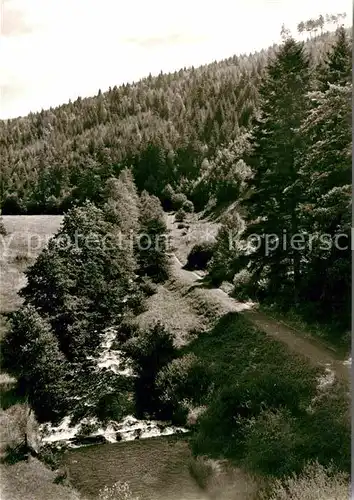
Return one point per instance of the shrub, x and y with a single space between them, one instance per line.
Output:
178 200
150 351
184 379
111 406
86 429
3 231
201 470
315 482
152 255
148 287
119 491
242 282
126 330
272 444
200 255
188 206
180 215
166 197
326 428
224 428
226 259
51 456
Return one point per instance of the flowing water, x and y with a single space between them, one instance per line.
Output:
128 429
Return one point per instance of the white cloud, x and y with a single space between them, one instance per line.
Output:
59 49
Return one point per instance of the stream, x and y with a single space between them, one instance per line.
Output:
128 429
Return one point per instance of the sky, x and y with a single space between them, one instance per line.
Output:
55 50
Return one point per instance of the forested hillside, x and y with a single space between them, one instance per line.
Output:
170 128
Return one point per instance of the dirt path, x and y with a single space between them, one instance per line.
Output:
295 340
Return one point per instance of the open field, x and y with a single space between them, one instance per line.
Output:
156 469
169 307
27 236
32 480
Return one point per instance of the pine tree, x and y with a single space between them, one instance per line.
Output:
272 204
325 178
151 246
337 68
122 206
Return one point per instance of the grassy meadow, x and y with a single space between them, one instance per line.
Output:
156 469
25 239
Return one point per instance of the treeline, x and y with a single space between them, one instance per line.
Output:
93 274
169 128
294 246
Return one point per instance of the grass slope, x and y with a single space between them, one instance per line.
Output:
156 469
25 239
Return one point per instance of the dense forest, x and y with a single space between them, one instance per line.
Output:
171 129
268 133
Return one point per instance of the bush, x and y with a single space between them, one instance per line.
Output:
242 282
201 470
112 406
272 444
200 255
178 200
126 330
185 379
152 245
150 351
51 456
188 206
148 287
3 231
315 482
226 257
180 215
326 428
86 429
166 197
119 491
225 427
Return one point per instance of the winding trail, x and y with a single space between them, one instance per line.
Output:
298 342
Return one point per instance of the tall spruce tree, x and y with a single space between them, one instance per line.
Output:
337 67
152 245
272 205
325 177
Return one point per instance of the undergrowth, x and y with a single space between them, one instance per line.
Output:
264 408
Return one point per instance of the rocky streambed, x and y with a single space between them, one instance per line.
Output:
90 430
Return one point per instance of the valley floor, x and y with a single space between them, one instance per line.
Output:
186 306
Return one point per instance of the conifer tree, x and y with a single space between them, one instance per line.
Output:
122 206
325 179
152 257
272 204
337 67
